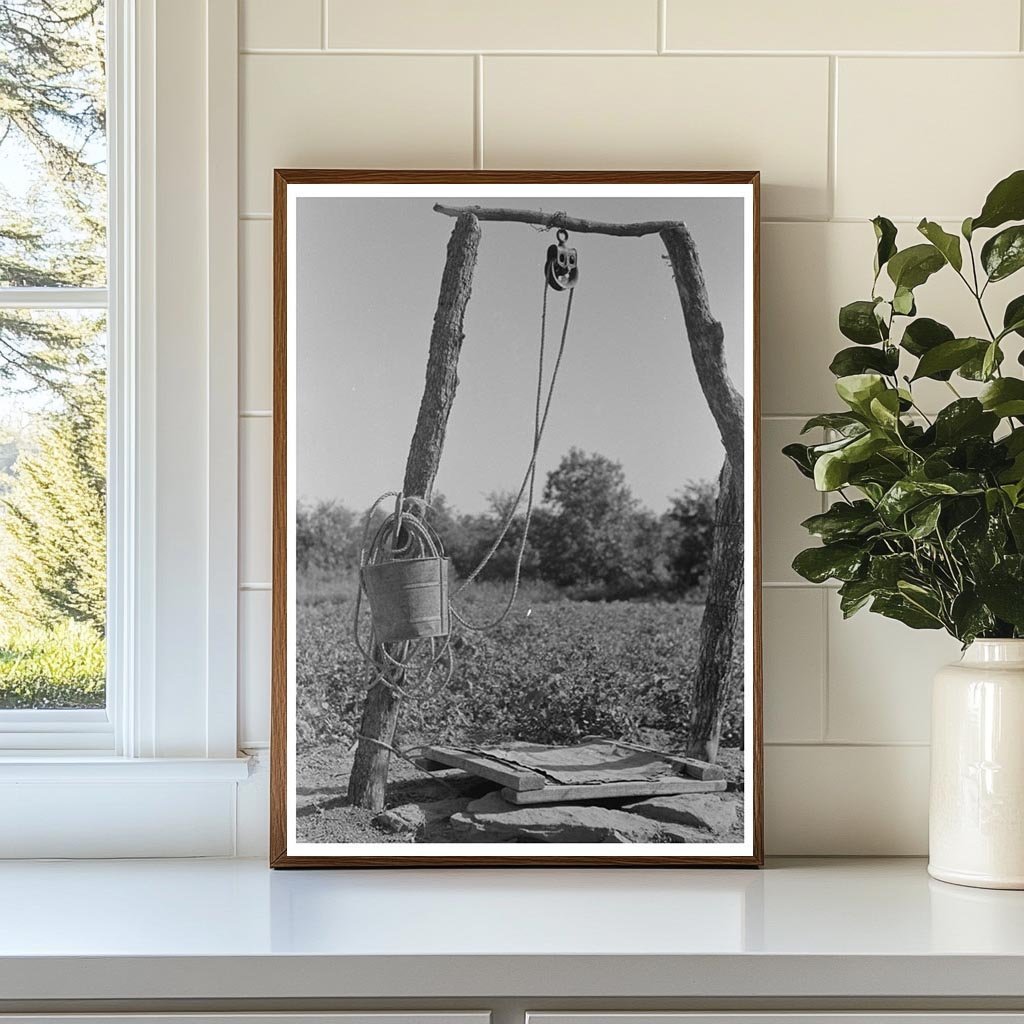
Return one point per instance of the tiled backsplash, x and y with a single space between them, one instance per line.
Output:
906 109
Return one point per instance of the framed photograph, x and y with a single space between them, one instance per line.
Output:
516 578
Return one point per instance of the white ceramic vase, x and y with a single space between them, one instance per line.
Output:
976 817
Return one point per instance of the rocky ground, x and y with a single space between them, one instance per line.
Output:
453 807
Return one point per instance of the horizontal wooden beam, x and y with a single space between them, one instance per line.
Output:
517 779
558 219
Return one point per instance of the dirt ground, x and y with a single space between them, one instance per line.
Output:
324 814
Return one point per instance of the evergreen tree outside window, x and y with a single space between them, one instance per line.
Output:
53 358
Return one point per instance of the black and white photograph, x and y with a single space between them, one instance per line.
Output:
515 497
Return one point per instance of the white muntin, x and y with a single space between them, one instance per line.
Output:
976 821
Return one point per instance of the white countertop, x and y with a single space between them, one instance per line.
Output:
234 929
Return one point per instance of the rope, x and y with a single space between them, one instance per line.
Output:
539 423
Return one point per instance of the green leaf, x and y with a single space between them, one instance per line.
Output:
970 617
963 482
885 237
974 368
897 607
903 302
924 334
855 594
841 421
1004 397
1005 596
857 321
1014 441
863 447
950 355
912 267
965 229
887 570
878 471
841 561
885 410
1003 254
858 389
800 456
991 360
925 518
964 418
1013 317
1005 202
843 521
906 494
994 499
818 450
1012 447
1017 326
947 244
1015 518
872 491
831 471
849 361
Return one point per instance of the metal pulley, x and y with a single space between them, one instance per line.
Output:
561 268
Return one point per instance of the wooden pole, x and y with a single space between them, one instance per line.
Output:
721 609
368 782
711 690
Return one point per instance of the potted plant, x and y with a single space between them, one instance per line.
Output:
926 521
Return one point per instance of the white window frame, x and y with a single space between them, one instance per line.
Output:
73 729
170 728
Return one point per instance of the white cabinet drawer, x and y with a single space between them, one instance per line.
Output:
785 1017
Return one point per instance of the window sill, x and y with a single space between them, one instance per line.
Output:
27 733
76 766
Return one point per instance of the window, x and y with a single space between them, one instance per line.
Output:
53 368
148 159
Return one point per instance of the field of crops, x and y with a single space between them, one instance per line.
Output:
556 670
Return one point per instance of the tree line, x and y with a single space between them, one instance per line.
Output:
589 535
53 234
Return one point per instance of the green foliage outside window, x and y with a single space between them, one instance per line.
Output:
52 364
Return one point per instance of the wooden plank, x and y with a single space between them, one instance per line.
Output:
604 790
691 766
514 779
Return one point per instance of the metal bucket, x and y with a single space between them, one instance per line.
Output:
408 598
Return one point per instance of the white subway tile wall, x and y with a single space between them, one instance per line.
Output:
571 25
869 25
908 110
296 24
700 113
256 279
972 108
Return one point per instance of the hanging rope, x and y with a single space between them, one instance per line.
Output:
539 423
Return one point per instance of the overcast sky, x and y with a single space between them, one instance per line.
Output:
368 272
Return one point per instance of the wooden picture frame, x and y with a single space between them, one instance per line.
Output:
740 438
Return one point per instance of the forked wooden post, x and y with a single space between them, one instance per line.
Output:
368 781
